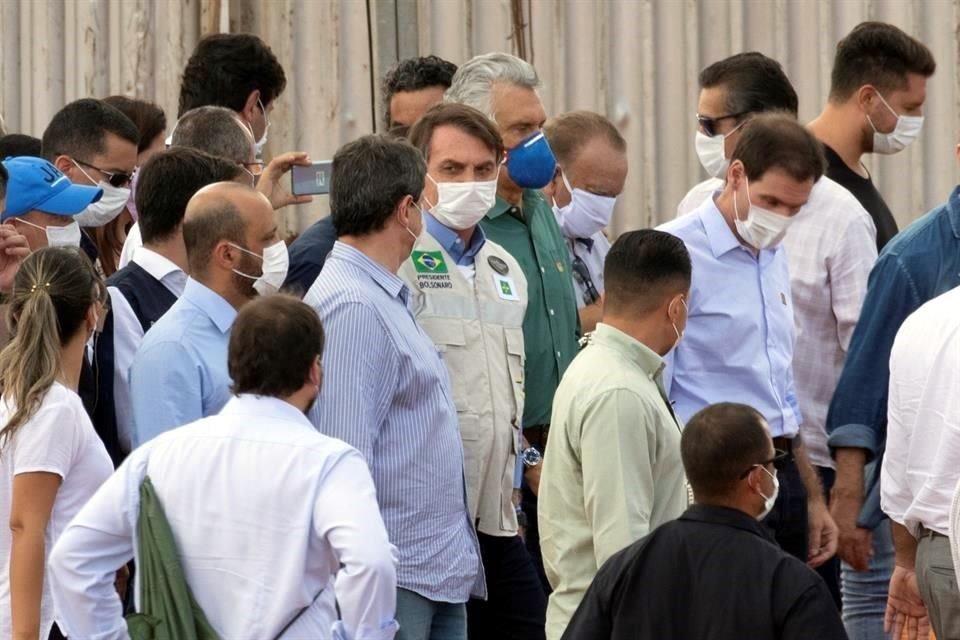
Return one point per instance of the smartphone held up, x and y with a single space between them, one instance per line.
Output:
312 179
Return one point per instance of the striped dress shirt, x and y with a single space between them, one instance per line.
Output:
386 391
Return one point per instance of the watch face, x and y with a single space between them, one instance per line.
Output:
531 456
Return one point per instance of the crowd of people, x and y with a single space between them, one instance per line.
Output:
456 407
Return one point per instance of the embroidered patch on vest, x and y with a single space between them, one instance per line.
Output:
428 262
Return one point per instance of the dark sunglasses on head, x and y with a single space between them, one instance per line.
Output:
582 275
778 457
114 178
709 125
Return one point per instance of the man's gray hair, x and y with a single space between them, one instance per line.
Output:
214 130
473 82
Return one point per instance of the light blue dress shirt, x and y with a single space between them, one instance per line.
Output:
386 392
451 242
179 373
738 344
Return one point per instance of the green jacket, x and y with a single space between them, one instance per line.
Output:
168 610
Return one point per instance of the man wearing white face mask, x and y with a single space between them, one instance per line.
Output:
95 144
731 91
387 391
591 173
739 343
238 71
179 371
43 203
470 296
715 572
877 89
612 471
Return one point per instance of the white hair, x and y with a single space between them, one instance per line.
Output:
473 82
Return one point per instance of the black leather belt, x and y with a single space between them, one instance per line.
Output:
784 444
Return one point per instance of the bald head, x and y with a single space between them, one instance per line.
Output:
225 212
217 131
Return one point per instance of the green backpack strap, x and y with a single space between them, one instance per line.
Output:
168 610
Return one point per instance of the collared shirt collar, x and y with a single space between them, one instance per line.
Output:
389 282
211 303
451 242
161 268
249 405
502 206
641 354
721 238
727 517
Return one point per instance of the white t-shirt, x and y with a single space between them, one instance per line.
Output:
59 438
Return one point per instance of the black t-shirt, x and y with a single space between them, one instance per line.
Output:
713 573
863 190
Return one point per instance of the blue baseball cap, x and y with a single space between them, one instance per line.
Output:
35 184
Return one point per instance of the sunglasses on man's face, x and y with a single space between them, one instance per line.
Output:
116 179
778 457
710 125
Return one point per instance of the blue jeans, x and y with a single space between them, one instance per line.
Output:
422 619
865 594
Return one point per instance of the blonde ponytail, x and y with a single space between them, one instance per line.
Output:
52 292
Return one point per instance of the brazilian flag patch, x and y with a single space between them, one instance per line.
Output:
428 262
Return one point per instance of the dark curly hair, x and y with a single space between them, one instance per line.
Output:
414 74
225 68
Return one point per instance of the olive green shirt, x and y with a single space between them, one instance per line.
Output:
551 324
612 472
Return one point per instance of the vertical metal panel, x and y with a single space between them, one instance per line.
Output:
634 60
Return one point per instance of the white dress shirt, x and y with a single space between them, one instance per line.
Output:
831 246
134 240
265 511
921 465
128 334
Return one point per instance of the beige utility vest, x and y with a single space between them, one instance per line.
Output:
478 329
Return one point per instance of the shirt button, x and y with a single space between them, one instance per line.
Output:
558 354
542 270
551 312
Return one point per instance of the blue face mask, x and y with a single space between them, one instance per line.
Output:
531 164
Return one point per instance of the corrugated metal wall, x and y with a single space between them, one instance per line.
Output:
634 60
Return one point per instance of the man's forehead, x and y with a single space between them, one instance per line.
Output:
712 102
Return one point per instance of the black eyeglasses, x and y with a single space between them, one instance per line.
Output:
778 457
582 275
114 178
709 125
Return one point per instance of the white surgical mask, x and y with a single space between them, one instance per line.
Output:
586 213
461 205
905 132
261 143
769 501
276 262
762 228
676 329
710 150
108 207
67 236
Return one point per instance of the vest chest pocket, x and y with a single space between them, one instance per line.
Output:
515 362
450 339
